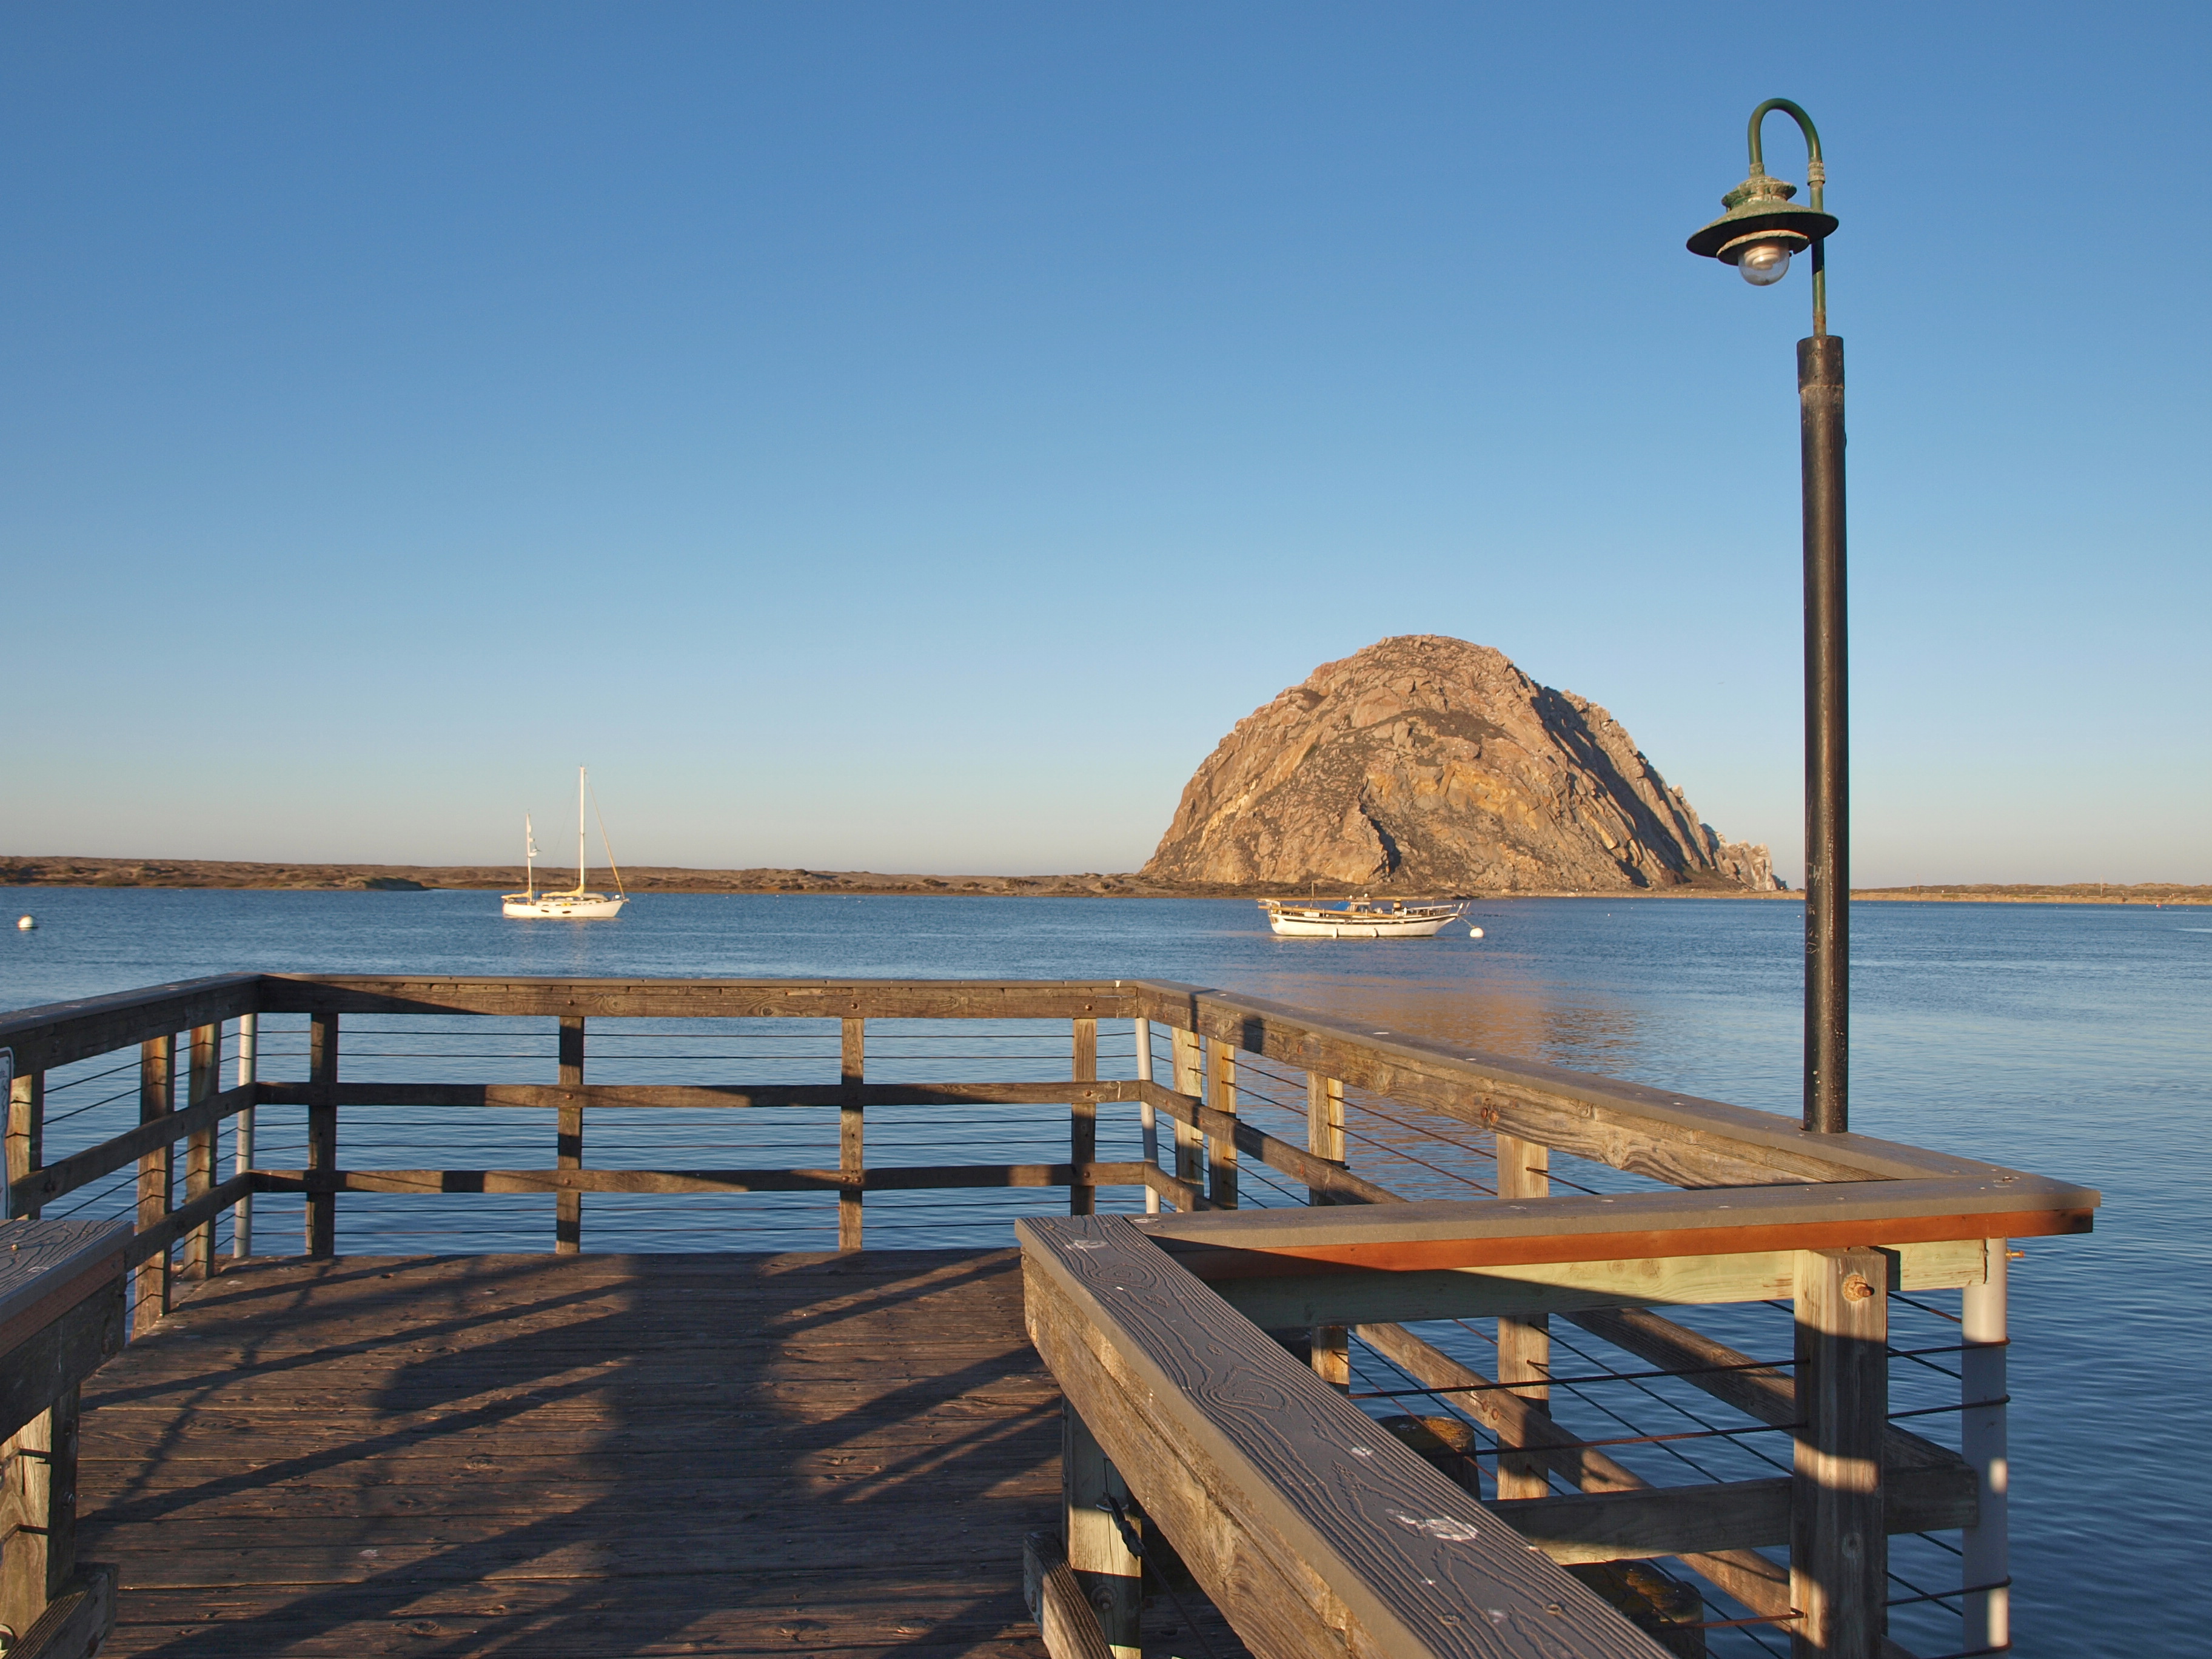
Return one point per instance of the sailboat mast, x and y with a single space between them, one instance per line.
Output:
529 860
580 829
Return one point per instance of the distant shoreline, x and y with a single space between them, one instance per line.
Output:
61 870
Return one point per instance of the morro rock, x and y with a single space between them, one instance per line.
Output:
1429 764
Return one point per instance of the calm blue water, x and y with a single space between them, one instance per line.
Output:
2070 1041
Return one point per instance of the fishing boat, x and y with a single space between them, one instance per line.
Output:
1365 917
576 904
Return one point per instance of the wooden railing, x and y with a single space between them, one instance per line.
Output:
61 1316
1310 1528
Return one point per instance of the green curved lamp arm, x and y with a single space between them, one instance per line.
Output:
1816 179
1816 173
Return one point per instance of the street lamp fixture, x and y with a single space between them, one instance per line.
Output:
1760 234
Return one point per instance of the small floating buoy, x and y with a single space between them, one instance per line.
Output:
25 923
1474 932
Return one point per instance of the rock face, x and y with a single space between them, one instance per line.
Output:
1429 764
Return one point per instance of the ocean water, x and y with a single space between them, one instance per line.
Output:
2070 1041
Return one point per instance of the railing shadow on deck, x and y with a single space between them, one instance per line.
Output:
1299 1542
631 1500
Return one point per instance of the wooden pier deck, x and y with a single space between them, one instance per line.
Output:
578 1454
863 1452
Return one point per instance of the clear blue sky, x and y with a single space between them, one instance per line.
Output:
908 437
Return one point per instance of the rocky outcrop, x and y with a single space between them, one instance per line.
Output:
1426 763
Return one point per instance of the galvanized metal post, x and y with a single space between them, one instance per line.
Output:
1148 1121
1986 1614
1827 751
241 1237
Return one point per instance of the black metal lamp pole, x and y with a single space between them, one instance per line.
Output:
1758 234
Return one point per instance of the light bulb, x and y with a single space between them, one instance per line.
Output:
1764 263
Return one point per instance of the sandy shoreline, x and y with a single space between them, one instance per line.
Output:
66 870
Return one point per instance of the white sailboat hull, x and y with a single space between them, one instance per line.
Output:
1392 921
576 907
577 904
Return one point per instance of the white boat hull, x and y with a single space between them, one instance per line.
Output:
1325 922
576 907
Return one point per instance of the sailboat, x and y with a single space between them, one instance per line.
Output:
577 905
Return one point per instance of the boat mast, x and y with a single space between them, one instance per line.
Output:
529 859
580 829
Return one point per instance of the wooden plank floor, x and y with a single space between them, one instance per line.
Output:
578 1455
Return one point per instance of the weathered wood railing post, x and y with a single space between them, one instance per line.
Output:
27 1136
852 1156
1524 1346
1110 1577
249 1059
322 1132
64 1307
38 1508
1986 1558
1083 1119
1332 1350
1189 1079
203 1082
568 1139
1148 1117
149 1290
1839 1550
1221 1149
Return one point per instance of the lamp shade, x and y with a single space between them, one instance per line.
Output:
1759 209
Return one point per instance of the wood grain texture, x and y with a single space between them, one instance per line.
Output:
1725 1515
568 1137
1331 1349
37 1185
58 1032
157 1063
76 1621
26 1144
1771 1396
322 1209
149 1243
900 1178
1759 1583
1188 1054
38 1512
1838 1555
1453 1233
46 1368
1524 1344
700 999
48 1267
1316 1533
591 1454
693 1098
852 1153
1056 1601
1319 1173
1221 1148
1109 1578
203 1083
1670 1136
1531 1290
1083 1114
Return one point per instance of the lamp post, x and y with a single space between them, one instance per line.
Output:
1758 234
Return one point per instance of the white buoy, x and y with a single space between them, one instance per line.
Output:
25 923
1474 932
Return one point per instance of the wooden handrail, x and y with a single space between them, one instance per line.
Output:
1672 1137
700 999
42 1186
60 1032
1757 1210
61 1317
1312 1529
